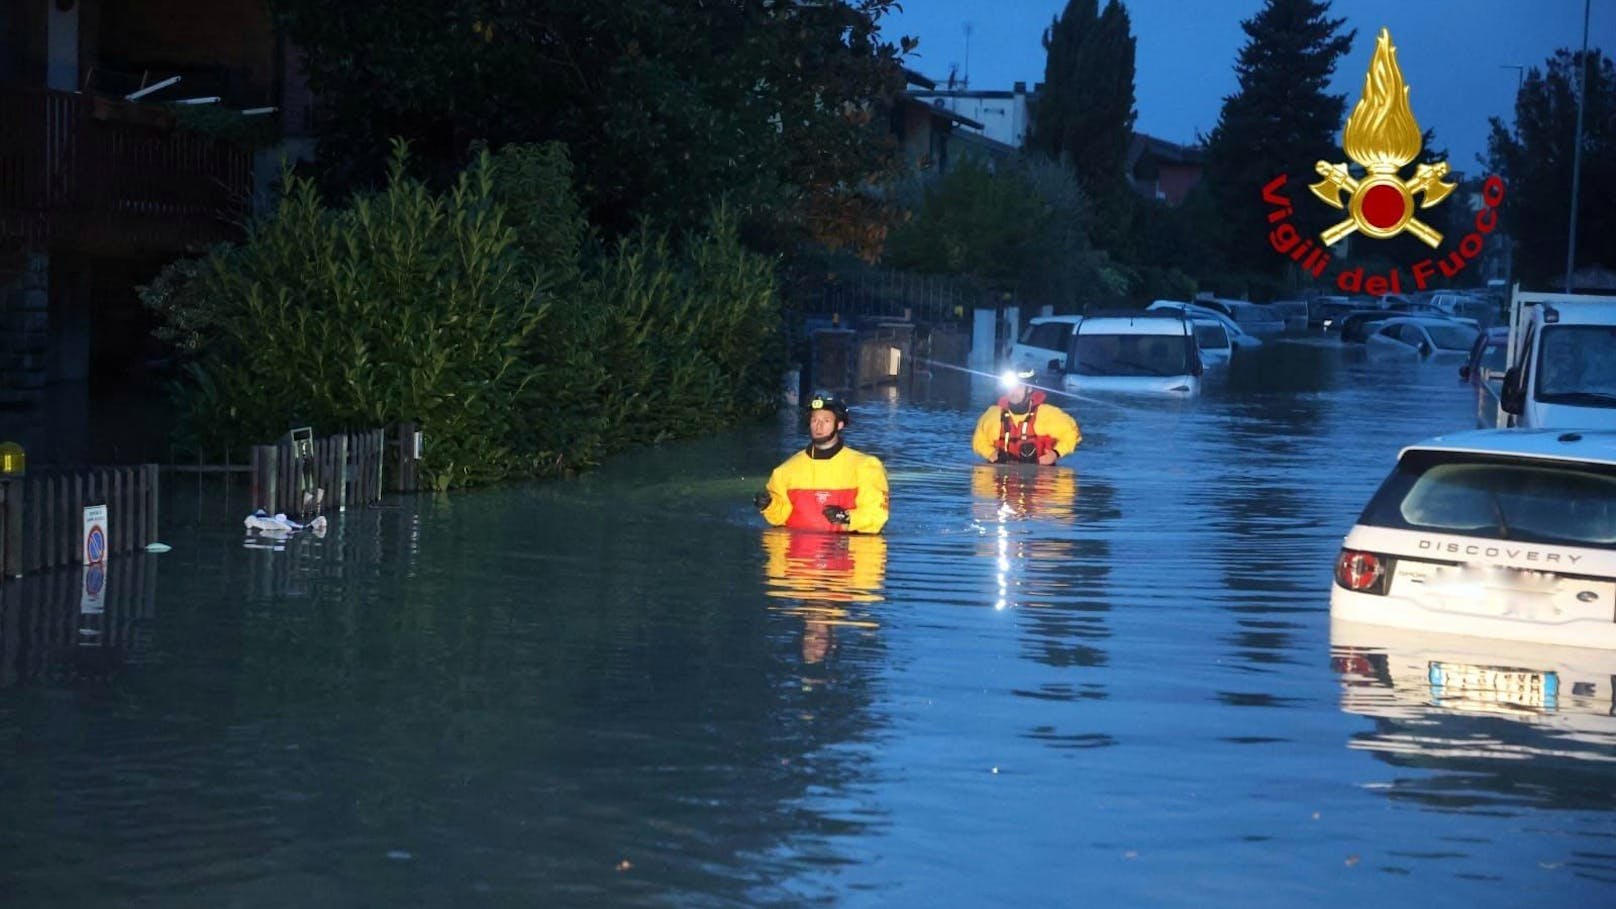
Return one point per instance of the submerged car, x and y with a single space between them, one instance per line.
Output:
1239 338
1422 337
1212 339
1256 319
1043 343
1489 356
1146 352
1501 533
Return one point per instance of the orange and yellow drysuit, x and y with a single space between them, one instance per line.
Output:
1000 431
811 479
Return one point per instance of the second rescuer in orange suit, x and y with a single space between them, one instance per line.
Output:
827 486
1021 427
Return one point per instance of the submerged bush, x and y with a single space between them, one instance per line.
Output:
475 313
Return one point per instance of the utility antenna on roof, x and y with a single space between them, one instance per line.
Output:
966 82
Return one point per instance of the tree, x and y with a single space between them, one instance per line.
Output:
1085 112
664 107
1535 160
1021 229
1279 121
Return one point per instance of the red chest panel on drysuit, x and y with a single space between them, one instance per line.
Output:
808 507
1012 434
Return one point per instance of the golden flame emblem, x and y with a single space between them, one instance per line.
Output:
1382 137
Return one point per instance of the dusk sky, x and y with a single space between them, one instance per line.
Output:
1452 53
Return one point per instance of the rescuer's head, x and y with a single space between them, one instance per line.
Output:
827 417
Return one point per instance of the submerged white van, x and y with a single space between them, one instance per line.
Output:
1150 352
1562 362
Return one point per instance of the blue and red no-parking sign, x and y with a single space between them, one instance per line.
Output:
96 545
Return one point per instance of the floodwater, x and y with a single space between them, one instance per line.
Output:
1110 683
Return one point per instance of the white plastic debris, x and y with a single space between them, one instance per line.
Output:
279 524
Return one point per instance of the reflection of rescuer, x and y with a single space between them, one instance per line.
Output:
1023 427
832 580
827 486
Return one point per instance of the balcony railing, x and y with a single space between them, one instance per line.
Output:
78 169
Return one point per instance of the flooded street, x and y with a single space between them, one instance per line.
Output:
1106 683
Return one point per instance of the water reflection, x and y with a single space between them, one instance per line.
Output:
77 624
1493 722
830 579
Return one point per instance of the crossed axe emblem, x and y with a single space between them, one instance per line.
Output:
1389 199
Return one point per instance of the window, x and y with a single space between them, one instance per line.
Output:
1410 334
1495 357
1499 498
1131 355
1210 336
1578 365
1047 335
1451 337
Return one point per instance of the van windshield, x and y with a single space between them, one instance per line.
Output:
1577 365
1130 355
1499 498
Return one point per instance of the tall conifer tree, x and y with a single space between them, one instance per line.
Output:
1281 120
1085 113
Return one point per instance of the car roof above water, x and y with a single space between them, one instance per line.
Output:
1597 446
1145 323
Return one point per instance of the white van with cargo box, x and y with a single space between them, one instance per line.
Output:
1562 362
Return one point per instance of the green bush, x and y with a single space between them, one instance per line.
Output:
475 313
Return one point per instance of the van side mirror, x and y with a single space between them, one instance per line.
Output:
1512 397
1464 371
1425 348
1055 365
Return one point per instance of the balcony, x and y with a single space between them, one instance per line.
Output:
110 177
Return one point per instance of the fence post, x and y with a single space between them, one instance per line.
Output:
339 472
265 473
405 480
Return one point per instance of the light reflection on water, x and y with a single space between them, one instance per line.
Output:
1112 682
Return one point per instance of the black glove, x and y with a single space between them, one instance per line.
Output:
836 514
762 500
998 457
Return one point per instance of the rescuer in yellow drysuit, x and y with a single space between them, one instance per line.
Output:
827 486
1023 427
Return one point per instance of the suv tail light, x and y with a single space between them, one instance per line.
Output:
1363 572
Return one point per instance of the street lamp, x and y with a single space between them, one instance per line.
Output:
1509 239
1576 153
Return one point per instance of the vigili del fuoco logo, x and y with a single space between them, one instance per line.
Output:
1381 137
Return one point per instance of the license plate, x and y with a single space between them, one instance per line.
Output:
1464 684
1516 593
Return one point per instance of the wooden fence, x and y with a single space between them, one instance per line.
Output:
330 474
42 514
69 162
322 475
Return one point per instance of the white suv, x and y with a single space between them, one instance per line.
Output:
1492 533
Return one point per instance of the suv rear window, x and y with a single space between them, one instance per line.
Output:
1499 498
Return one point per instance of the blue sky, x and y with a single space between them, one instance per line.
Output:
1452 53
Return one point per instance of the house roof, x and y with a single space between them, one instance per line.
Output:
993 147
1162 151
915 77
940 112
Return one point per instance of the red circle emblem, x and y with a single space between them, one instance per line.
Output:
1383 206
